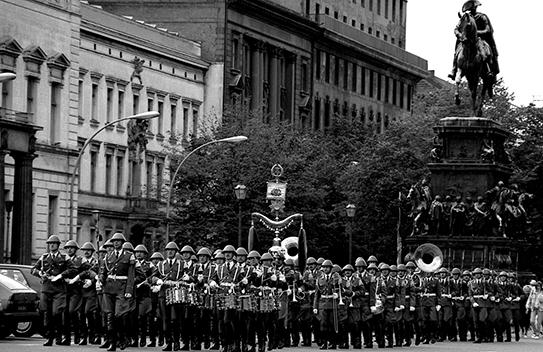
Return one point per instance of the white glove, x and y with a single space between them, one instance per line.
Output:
397 309
315 311
87 283
373 309
56 278
200 277
289 292
485 296
411 309
402 307
282 277
492 298
516 299
186 277
508 299
74 280
128 295
438 307
258 273
335 295
98 286
155 289
159 282
212 284
475 304
299 289
244 281
273 277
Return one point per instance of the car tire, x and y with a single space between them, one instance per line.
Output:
25 329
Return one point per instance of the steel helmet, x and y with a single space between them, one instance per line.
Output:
311 260
384 266
327 262
141 248
372 259
254 254
187 249
486 271
71 243
266 256
219 255
466 273
128 246
456 271
118 237
108 244
360 262
172 245
229 248
503 273
401 267
241 251
320 261
443 270
289 262
373 266
53 239
336 268
410 265
87 246
348 267
157 255
102 249
477 271
204 251
393 268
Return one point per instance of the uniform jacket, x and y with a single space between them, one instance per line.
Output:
53 265
169 273
91 273
324 291
123 266
431 292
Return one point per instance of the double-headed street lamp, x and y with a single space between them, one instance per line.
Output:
143 116
7 76
235 139
351 211
241 193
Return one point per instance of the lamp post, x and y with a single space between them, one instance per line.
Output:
7 76
96 218
235 139
351 211
143 116
8 204
241 193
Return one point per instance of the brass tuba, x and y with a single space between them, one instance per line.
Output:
428 257
289 248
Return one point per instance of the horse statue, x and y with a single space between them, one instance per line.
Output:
472 62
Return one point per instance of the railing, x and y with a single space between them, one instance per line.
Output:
17 116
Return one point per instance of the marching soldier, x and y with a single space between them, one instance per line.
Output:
204 313
445 315
265 320
399 303
325 305
313 272
168 276
245 318
131 318
218 260
459 289
353 292
376 306
363 300
306 287
413 274
493 312
430 298
478 305
90 321
53 267
406 285
391 301
73 315
117 279
155 318
504 301
143 296
188 336
516 294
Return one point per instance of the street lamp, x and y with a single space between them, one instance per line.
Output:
241 193
143 116
235 139
96 218
7 76
351 211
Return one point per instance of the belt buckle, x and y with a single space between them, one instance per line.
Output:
114 277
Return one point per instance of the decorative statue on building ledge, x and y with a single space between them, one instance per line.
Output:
420 195
437 151
138 69
487 151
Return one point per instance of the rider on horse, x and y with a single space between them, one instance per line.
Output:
485 32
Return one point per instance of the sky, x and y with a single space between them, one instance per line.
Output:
518 27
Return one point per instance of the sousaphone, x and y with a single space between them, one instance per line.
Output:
428 257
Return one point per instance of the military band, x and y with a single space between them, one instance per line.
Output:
243 302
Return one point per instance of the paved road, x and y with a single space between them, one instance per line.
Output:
34 344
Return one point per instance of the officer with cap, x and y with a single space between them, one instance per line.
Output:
90 322
117 278
167 276
53 267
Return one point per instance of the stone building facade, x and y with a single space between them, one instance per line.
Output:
77 71
301 61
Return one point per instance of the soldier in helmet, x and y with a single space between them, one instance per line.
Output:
246 323
188 335
204 313
117 278
53 267
90 321
266 317
363 301
516 295
392 300
430 299
313 272
458 297
405 324
324 306
155 317
143 296
493 312
445 314
305 286
415 305
218 260
503 301
478 303
376 306
466 278
353 291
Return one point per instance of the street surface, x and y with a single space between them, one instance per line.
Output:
34 344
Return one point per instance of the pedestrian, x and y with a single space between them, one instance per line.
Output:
535 306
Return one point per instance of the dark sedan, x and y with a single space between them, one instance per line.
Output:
19 304
21 273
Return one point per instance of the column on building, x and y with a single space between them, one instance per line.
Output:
274 83
290 83
2 205
256 74
21 244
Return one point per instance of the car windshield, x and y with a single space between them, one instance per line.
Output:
15 274
11 284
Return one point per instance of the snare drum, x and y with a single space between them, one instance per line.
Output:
227 301
248 303
266 304
209 301
176 295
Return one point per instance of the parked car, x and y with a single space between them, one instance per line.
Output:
21 273
19 304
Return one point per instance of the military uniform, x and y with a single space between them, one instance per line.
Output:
265 323
459 289
53 268
445 314
478 305
143 301
74 315
90 323
325 303
169 273
430 298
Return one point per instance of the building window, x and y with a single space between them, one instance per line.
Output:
93 171
160 117
109 171
135 104
80 100
400 43
195 123
317 117
336 71
363 3
370 30
94 102
378 7
336 15
386 8
402 94
345 74
120 173
235 53
392 40
377 34
317 11
52 215
159 178
7 94
363 85
355 73
303 74
409 96
326 11
185 123
387 89
120 104
370 6
353 23
31 94
150 107
362 26
327 68
393 10
371 84
173 120
401 13
149 184
385 37
109 112
327 112
318 65
394 91
54 123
